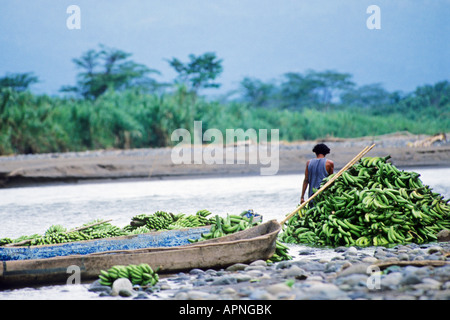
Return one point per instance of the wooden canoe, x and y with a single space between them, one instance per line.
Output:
242 247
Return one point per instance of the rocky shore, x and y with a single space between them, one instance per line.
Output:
403 272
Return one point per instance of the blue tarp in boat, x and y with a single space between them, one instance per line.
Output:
168 238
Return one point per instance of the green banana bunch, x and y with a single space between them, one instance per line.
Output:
140 230
56 228
106 231
198 220
161 220
281 252
141 274
235 223
59 237
158 221
4 241
142 223
373 203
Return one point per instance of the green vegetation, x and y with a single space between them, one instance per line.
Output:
115 104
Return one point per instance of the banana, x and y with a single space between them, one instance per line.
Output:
141 274
416 195
379 204
373 203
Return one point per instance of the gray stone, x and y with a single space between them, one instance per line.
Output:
254 273
121 284
259 263
403 257
443 235
255 267
196 272
278 288
198 295
224 280
294 272
360 268
314 266
446 285
333 267
126 293
391 280
165 286
326 291
181 295
442 295
369 260
428 284
351 251
97 287
434 249
410 279
242 277
199 283
355 279
237 267
260 294
141 296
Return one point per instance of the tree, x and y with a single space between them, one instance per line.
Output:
371 95
257 92
18 81
199 72
109 68
329 84
297 91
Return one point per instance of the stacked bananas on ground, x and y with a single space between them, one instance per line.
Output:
141 274
373 203
281 253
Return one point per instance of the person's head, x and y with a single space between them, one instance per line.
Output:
321 149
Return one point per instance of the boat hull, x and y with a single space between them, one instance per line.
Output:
245 246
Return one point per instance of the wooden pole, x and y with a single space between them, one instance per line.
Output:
337 175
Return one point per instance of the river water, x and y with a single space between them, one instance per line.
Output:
29 210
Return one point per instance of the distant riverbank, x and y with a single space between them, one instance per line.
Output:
157 162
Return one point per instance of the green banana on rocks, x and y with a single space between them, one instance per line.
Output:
142 275
373 203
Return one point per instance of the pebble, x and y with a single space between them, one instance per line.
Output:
122 287
350 273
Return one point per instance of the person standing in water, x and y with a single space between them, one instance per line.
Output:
316 170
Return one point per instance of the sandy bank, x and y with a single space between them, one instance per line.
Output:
157 163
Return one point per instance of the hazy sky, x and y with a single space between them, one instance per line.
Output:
256 38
